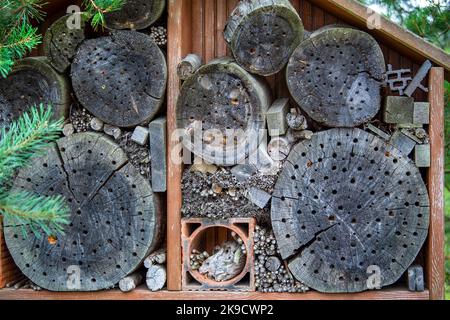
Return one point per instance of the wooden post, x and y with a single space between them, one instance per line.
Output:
435 274
178 46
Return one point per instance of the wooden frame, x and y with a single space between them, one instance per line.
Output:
182 28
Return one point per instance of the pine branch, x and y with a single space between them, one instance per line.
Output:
21 208
98 8
26 138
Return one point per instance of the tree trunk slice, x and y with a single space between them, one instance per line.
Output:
263 34
336 75
222 96
121 79
115 219
346 201
33 81
135 14
61 43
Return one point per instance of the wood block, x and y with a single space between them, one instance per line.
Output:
421 113
398 109
276 117
383 135
140 135
422 156
415 279
259 197
242 172
402 142
417 80
158 142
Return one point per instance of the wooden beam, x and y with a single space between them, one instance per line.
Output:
179 44
143 293
399 38
435 269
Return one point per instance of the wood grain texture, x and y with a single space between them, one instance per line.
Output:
435 273
179 45
6 262
144 294
115 219
136 14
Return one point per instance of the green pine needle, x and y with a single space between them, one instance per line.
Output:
26 138
26 210
98 8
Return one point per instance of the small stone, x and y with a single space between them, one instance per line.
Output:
140 135
68 130
96 124
112 131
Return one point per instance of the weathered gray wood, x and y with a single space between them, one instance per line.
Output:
115 219
68 129
345 201
220 106
136 14
416 280
279 148
336 75
276 117
380 133
121 78
112 131
422 156
33 81
61 43
418 78
96 124
402 142
296 121
187 67
421 113
263 34
398 110
398 79
157 257
158 154
273 264
140 135
131 282
294 136
259 197
156 277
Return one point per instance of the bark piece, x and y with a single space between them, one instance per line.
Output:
135 14
346 201
115 219
221 110
61 42
31 82
263 34
187 67
121 79
336 75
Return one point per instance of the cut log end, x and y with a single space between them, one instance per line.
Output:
336 75
136 14
372 211
121 78
115 220
156 277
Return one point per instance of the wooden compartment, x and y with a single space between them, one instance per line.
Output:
195 26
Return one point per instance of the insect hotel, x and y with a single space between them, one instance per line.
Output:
222 149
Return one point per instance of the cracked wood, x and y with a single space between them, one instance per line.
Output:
346 200
115 219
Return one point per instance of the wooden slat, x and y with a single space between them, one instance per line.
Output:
222 16
144 294
435 259
210 30
401 39
197 25
179 45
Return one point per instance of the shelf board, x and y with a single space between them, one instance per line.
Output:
144 294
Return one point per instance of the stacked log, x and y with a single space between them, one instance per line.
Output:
228 103
33 81
335 77
115 219
345 202
263 34
121 78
